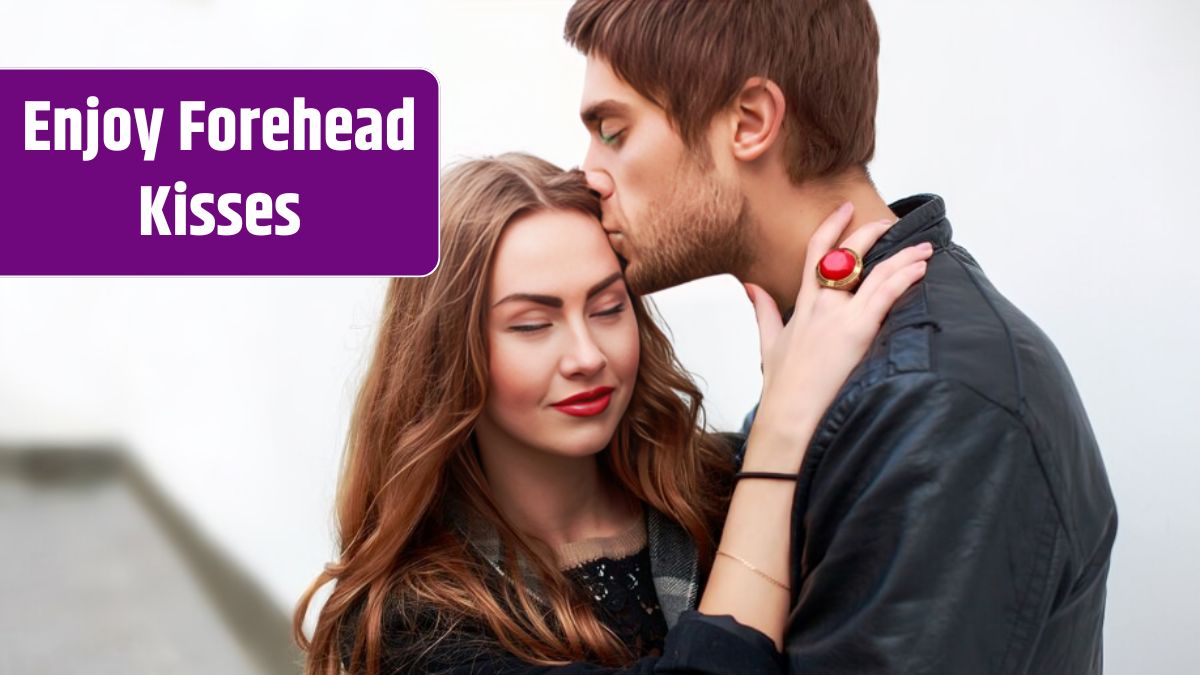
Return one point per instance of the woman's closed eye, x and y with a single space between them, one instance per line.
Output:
529 327
611 311
533 327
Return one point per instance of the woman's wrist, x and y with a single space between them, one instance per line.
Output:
778 445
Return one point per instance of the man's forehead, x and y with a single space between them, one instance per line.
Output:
602 89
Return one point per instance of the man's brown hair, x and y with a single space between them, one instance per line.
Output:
692 57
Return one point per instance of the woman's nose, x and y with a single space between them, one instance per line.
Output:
584 358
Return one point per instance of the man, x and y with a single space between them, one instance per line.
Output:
952 514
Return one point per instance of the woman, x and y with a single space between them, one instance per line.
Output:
526 487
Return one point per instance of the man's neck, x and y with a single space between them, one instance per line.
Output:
554 498
785 217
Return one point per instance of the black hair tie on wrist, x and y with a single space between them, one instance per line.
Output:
765 474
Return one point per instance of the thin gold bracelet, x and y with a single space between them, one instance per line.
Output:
757 571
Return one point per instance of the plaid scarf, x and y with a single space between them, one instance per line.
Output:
674 560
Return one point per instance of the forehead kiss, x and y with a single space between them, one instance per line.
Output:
672 212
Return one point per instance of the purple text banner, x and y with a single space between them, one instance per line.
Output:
218 172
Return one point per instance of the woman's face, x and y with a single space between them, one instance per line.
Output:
562 337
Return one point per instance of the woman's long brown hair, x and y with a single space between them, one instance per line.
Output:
409 454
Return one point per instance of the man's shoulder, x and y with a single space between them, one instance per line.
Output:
955 326
953 349
956 350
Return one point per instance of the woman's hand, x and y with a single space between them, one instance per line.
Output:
806 362
804 365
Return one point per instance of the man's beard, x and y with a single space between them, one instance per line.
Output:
700 229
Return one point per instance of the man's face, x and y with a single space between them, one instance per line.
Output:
669 211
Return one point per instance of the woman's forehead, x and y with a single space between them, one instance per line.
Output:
561 253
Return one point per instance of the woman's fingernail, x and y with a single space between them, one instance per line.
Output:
746 287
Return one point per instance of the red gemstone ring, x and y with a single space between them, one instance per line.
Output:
840 269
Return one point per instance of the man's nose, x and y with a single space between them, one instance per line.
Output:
597 178
599 181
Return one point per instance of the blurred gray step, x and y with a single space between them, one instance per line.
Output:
100 575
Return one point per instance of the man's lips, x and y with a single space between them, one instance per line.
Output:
587 403
616 239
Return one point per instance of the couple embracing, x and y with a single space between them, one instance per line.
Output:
528 487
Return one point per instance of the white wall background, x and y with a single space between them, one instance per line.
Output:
1063 135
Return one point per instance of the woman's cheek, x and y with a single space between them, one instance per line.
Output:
516 373
634 354
625 351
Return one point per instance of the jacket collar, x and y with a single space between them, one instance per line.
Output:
922 218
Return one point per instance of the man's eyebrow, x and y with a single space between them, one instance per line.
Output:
599 110
557 302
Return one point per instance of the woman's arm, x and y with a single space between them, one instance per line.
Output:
804 365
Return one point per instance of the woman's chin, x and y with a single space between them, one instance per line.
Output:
583 436
581 443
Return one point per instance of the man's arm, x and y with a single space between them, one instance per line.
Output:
927 540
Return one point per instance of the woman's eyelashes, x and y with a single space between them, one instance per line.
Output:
528 327
612 311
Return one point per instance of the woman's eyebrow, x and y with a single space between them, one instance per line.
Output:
603 284
555 301
548 300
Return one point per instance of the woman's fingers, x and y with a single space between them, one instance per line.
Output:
890 266
829 232
864 238
823 239
890 289
767 314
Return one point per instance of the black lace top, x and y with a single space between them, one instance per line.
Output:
622 589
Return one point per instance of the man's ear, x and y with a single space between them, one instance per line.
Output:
759 110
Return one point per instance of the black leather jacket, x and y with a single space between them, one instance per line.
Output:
953 513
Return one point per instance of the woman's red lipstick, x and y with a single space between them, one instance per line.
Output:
586 404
